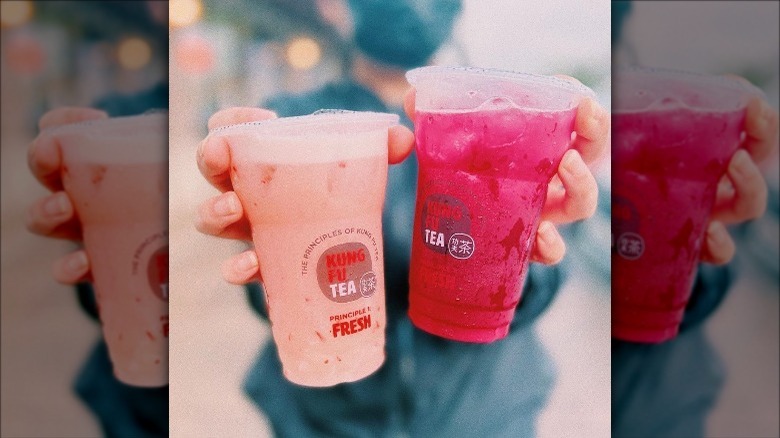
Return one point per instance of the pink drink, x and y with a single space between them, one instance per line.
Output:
673 136
313 189
487 146
115 172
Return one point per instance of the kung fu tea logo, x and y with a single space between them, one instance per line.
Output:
157 272
344 273
627 241
446 225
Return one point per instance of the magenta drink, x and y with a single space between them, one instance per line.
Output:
673 136
313 188
116 173
488 143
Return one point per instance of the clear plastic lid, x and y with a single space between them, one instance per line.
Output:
641 89
140 138
468 88
324 121
151 118
324 136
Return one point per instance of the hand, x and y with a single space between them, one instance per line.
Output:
742 192
54 215
223 216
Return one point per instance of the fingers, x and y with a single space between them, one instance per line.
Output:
68 115
72 268
214 162
592 130
549 247
744 195
236 115
400 143
577 196
409 102
43 156
214 154
45 161
591 126
223 216
54 216
242 268
718 247
761 129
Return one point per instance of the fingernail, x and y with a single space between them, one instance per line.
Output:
767 116
589 103
201 146
740 163
573 165
226 206
56 205
77 261
715 237
766 110
545 233
592 110
247 262
761 124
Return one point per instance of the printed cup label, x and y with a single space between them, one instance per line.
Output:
626 239
344 272
150 263
446 226
461 246
350 323
344 265
630 246
150 260
157 273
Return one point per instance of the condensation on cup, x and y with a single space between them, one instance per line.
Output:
488 144
115 172
673 136
313 188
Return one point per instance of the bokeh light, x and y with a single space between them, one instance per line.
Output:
134 53
194 54
303 53
15 13
184 12
25 54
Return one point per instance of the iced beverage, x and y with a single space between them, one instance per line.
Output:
313 188
488 143
115 172
673 136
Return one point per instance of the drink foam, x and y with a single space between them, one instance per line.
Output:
119 140
317 138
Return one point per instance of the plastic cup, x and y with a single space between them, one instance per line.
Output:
488 144
674 134
115 172
313 188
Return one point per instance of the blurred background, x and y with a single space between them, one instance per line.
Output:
56 54
722 37
240 53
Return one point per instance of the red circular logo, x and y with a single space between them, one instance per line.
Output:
157 271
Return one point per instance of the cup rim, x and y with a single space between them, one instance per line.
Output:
109 121
723 82
574 88
319 118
